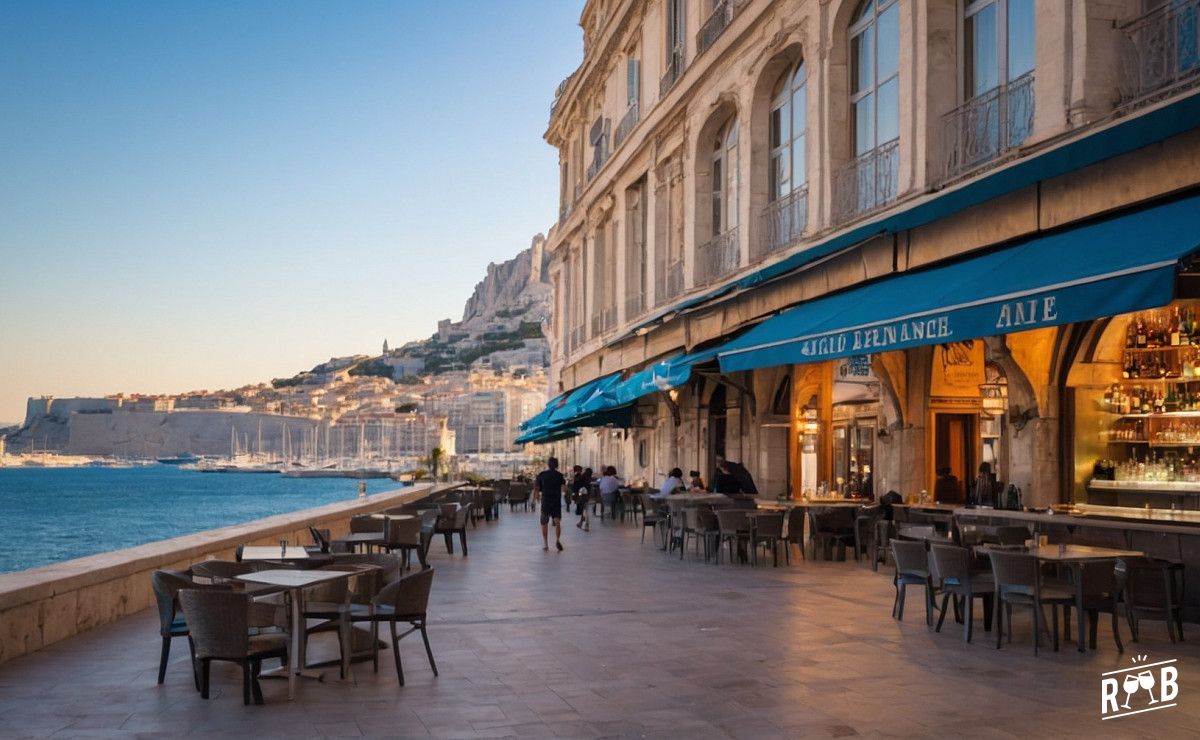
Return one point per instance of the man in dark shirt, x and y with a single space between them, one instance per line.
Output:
550 484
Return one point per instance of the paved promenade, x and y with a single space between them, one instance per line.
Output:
613 638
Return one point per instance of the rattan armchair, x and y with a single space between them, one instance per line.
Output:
403 600
219 623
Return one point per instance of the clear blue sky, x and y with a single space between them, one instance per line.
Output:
203 194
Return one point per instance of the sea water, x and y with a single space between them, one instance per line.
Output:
55 514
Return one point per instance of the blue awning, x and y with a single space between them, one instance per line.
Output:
661 376
1121 264
566 411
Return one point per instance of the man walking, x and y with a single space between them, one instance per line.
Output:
550 483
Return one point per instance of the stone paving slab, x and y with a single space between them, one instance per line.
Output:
614 638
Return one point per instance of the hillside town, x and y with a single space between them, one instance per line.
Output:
463 391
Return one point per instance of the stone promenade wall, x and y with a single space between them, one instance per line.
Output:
41 606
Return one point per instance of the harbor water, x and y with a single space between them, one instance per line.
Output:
55 514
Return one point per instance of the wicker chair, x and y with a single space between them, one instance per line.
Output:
404 535
864 529
651 515
953 566
1018 582
518 495
1153 587
795 529
219 623
734 529
403 600
768 530
221 571
171 624
450 523
912 569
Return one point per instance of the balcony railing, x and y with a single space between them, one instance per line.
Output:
596 164
1161 53
716 24
866 182
635 303
669 281
574 338
625 127
718 258
988 126
675 67
782 223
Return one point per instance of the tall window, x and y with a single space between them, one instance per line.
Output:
998 61
788 125
724 178
874 74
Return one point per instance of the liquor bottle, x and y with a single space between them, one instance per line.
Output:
1140 333
1145 405
1172 401
1107 400
1130 336
1173 328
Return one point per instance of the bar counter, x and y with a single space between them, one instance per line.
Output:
1160 533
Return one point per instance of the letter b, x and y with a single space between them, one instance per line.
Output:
1168 682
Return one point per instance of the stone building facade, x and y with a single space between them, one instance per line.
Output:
721 162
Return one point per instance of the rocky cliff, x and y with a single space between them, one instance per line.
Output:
518 287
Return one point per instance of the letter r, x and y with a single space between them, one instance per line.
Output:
1108 696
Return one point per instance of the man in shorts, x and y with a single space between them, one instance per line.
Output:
550 484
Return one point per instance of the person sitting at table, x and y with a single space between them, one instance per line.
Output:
608 484
673 483
697 483
946 489
724 481
887 500
984 488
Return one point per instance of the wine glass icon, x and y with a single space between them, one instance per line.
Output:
1146 680
1130 685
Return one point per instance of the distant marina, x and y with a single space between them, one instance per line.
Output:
85 509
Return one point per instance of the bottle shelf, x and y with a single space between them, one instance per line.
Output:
1164 348
1163 415
1153 444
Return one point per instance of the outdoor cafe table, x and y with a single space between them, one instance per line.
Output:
295 581
354 539
273 552
1074 556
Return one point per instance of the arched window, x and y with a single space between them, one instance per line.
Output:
788 123
874 74
725 178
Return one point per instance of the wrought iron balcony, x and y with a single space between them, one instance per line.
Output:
594 168
1161 52
625 127
718 258
675 67
635 303
867 182
716 24
988 126
782 223
669 282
